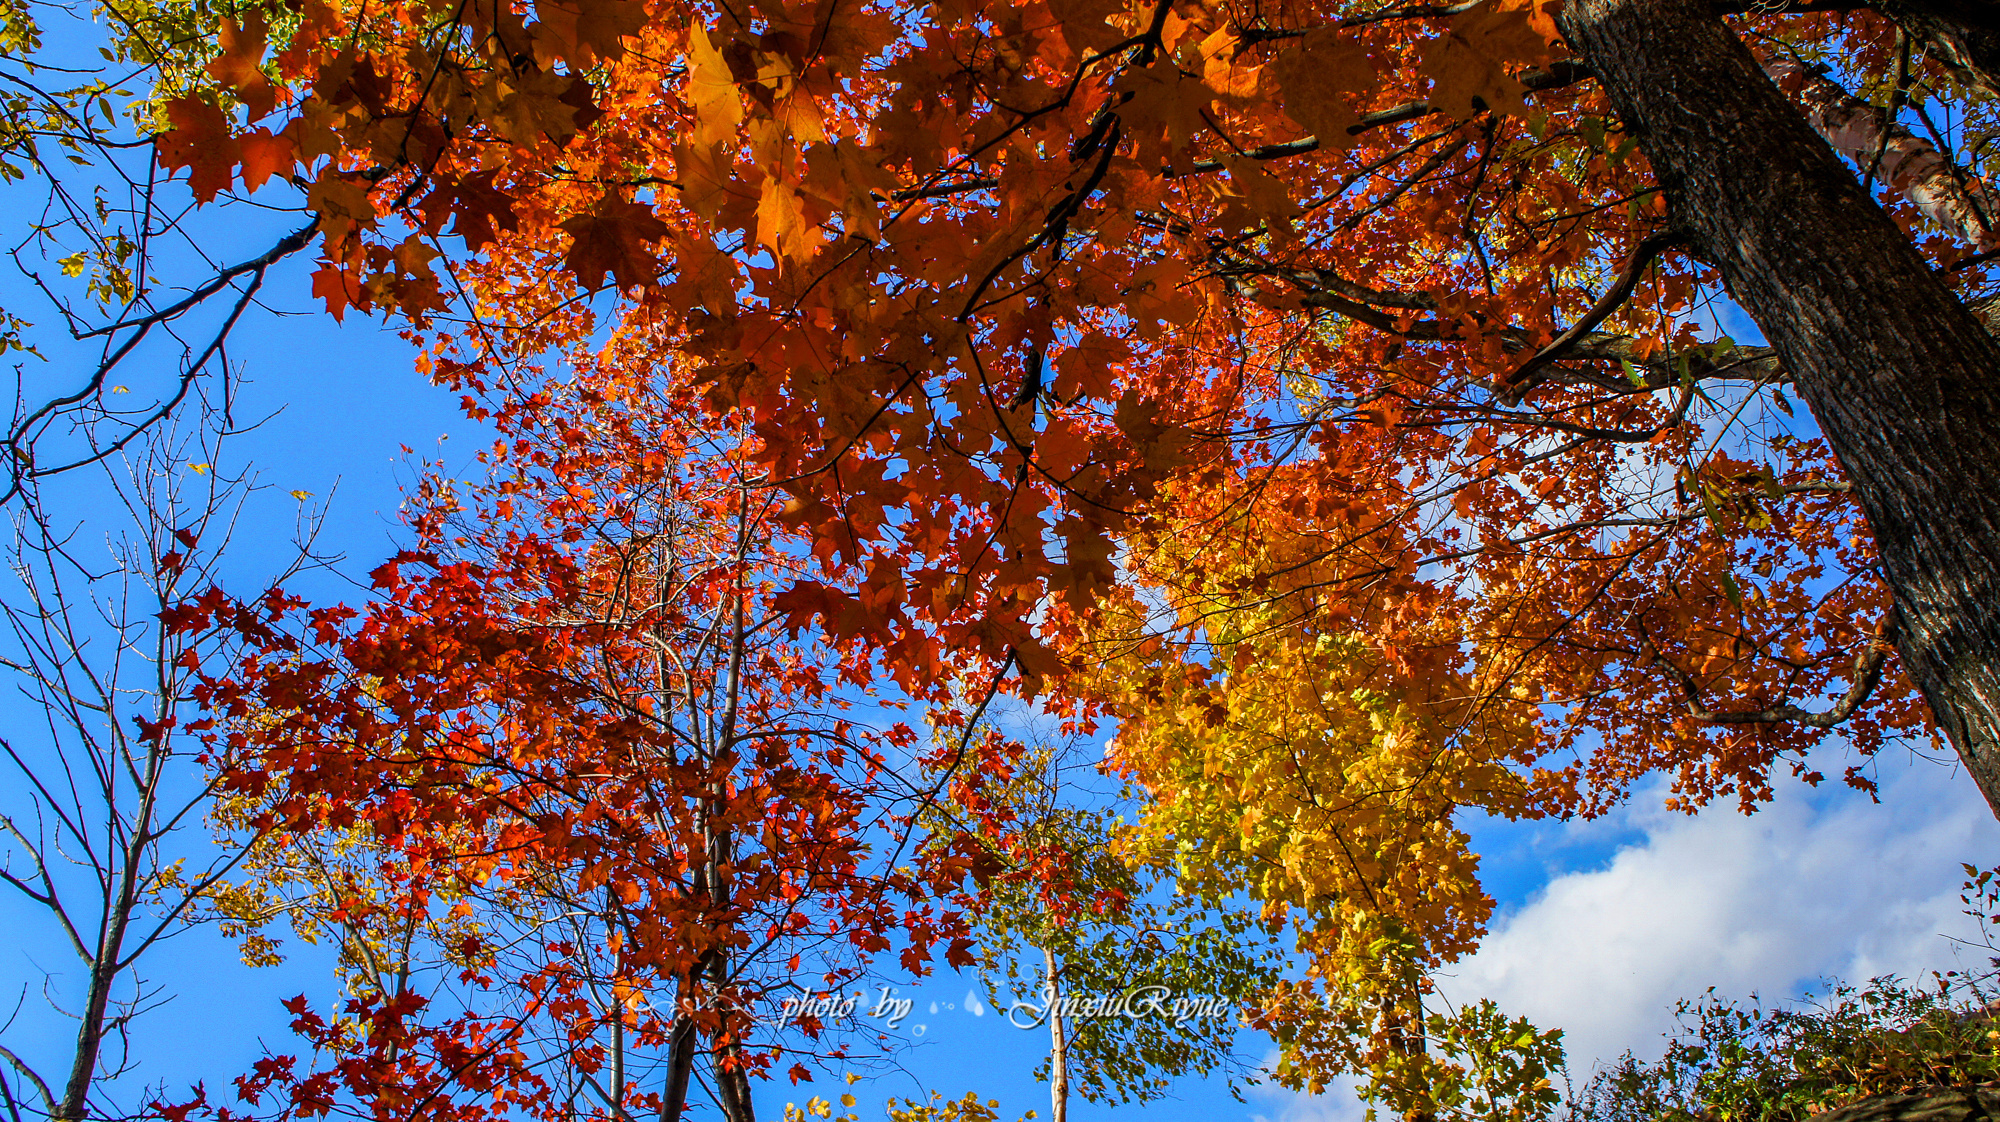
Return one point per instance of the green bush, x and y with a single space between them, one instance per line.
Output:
1741 1062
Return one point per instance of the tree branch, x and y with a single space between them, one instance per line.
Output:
1567 72
1865 133
48 1100
1519 381
1869 676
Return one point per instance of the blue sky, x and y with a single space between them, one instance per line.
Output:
341 402
1604 925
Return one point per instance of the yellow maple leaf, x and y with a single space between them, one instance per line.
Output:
718 108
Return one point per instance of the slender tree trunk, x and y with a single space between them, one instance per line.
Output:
617 1059
1867 134
680 1067
1901 377
1058 1046
732 1080
681 1040
89 1041
121 900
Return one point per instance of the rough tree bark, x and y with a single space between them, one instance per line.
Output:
1936 1104
1901 377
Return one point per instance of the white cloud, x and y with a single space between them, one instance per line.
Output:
1338 1103
1815 885
1807 888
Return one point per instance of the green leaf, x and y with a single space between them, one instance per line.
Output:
1729 589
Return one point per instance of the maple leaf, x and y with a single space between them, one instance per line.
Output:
1470 65
1256 198
707 179
1223 69
718 108
414 255
238 66
536 104
479 211
843 176
1088 367
1164 112
337 287
343 205
1316 77
781 220
1087 553
611 240
264 155
197 138
590 31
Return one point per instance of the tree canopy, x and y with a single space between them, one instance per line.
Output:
1341 399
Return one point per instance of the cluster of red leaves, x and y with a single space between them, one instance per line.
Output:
572 696
972 289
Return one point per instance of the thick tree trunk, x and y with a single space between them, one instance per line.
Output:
1902 379
680 1064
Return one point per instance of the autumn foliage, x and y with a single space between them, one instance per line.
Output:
566 756
1320 391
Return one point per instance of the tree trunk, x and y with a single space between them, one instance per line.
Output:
89 1041
1934 1104
106 964
1902 379
1058 1046
680 1065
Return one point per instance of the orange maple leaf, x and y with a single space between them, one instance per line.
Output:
589 31
1164 106
1472 66
239 64
1316 76
337 287
611 240
264 155
781 221
197 138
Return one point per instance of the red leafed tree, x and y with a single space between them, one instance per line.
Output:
577 810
